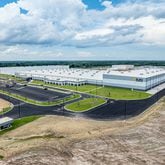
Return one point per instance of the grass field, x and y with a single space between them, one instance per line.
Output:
7 76
120 93
20 122
110 92
85 104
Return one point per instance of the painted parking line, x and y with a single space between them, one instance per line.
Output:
57 110
17 105
18 88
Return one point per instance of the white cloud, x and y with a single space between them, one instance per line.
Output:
19 52
107 4
97 33
68 22
84 54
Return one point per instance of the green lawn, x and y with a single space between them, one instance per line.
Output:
110 92
20 122
85 104
120 93
12 77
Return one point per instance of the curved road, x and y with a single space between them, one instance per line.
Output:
113 109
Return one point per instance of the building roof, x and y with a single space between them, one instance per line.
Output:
91 74
139 72
5 120
81 74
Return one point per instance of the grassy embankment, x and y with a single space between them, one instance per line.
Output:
85 104
5 110
19 122
39 103
108 92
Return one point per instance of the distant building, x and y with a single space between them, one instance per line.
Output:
122 67
5 122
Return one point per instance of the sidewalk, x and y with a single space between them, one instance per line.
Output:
156 89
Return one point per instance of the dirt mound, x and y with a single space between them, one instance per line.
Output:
74 141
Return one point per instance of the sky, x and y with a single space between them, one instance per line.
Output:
82 30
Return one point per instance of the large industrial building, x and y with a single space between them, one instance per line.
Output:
126 76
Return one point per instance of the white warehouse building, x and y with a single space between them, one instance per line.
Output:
142 78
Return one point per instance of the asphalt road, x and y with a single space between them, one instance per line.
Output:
113 109
22 109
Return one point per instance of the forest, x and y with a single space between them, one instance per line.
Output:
80 64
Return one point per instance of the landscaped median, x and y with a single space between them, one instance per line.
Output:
85 104
5 106
5 110
40 103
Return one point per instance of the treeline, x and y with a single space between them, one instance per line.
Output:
79 64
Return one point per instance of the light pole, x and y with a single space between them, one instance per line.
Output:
76 86
125 109
63 106
19 109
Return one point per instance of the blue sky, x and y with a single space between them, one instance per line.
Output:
91 3
82 30
95 4
4 2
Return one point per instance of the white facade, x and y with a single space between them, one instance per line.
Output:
142 79
137 78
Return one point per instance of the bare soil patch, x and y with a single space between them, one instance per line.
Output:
4 104
55 140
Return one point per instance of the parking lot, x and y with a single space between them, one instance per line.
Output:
113 109
34 93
